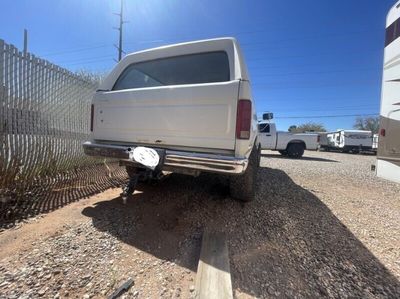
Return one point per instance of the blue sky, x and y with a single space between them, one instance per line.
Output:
305 58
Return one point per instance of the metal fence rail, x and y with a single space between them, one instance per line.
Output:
44 118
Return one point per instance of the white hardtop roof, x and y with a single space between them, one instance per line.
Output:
394 14
228 44
354 131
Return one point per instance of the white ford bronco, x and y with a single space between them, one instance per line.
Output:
185 108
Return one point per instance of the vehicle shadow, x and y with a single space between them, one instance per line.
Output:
54 192
305 158
286 243
363 153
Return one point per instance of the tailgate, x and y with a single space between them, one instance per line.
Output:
200 115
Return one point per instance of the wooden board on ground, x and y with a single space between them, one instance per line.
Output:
213 278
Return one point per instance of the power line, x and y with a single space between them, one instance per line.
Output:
96 46
91 61
310 100
320 72
291 64
332 108
185 38
74 50
326 116
315 36
98 58
268 57
288 85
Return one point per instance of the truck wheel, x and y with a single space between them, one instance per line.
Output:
243 186
283 153
295 150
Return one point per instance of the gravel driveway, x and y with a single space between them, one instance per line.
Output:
322 226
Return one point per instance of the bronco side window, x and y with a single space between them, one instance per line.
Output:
263 128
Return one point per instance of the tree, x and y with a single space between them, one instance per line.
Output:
307 127
95 77
367 124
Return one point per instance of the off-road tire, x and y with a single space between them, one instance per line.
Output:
295 150
242 187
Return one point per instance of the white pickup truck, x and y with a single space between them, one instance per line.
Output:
184 108
288 144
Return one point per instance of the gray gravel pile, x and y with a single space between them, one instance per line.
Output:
316 229
340 167
63 264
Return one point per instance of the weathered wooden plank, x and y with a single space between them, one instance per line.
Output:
213 278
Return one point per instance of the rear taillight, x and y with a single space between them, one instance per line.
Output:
91 117
383 132
243 119
319 138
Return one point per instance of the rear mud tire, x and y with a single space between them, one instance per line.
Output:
242 187
295 150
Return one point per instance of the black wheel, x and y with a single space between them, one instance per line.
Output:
283 153
243 186
295 150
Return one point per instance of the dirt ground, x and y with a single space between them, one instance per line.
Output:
321 226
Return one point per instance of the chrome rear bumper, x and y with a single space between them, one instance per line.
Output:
174 159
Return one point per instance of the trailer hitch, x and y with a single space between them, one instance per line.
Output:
128 190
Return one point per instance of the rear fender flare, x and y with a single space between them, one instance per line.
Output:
297 141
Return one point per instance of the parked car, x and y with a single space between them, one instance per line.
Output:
185 108
288 144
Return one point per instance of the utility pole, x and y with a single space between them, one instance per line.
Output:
25 42
121 23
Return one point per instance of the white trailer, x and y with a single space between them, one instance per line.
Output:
346 141
388 159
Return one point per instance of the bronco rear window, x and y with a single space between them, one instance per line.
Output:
187 69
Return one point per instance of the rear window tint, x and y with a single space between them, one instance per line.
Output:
188 69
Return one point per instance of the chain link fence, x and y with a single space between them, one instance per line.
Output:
44 118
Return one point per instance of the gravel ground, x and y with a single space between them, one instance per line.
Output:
322 226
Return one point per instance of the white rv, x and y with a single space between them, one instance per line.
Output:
388 160
347 141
